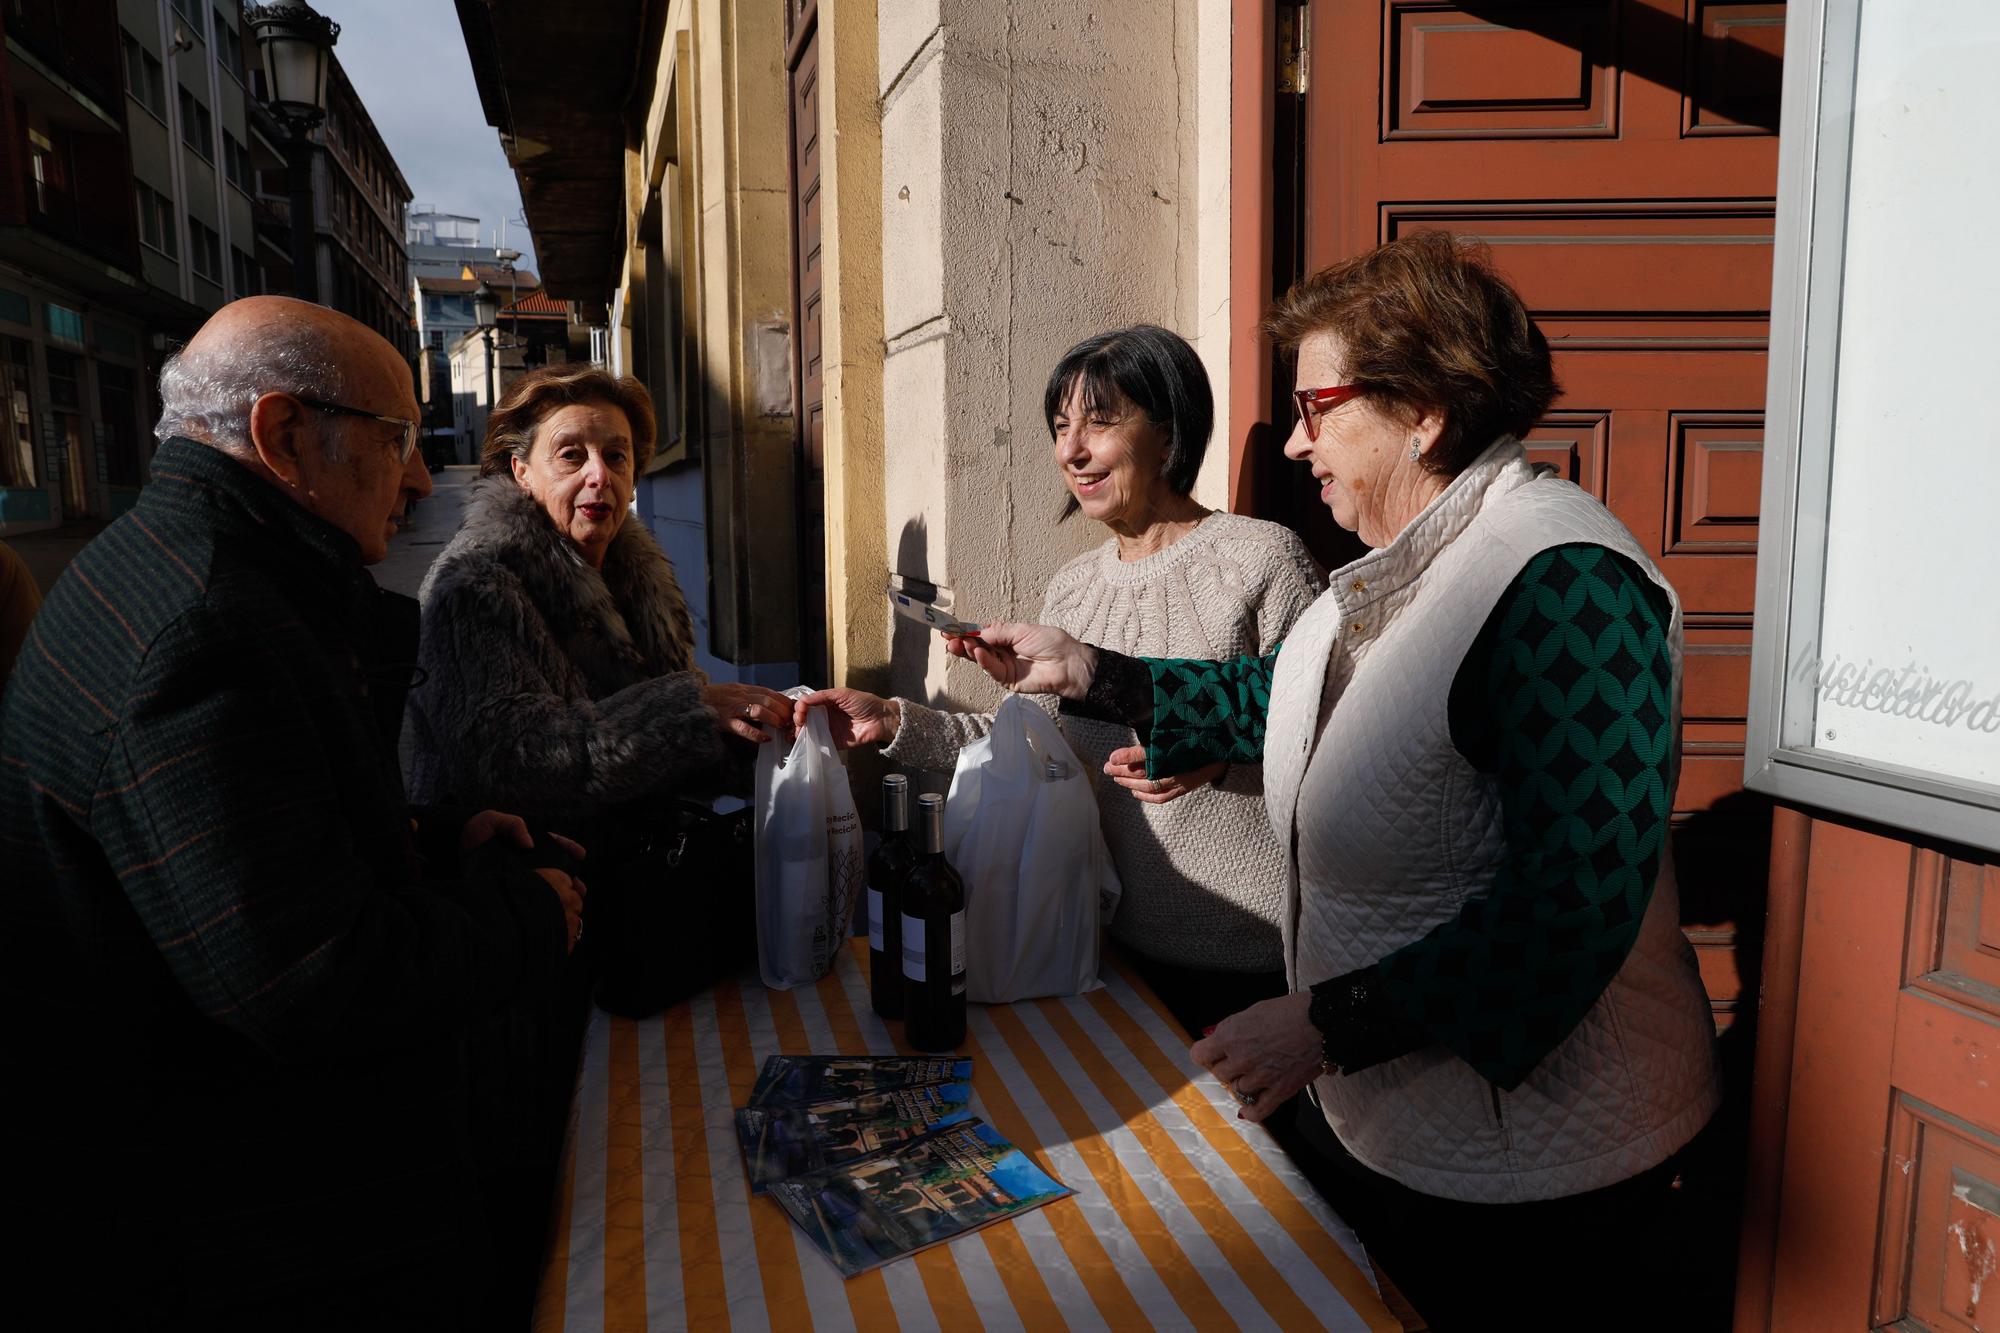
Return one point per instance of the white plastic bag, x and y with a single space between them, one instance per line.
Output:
1038 878
808 853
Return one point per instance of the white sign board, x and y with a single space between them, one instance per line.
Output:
1876 662
1909 648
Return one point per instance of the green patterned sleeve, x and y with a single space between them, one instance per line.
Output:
1567 698
1208 711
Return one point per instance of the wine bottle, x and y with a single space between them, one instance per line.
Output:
888 867
933 939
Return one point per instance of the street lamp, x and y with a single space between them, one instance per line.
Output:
297 44
486 314
485 306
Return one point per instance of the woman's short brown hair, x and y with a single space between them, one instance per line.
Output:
510 431
1428 325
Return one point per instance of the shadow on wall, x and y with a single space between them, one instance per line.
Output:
909 642
1732 77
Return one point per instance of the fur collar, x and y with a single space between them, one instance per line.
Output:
624 623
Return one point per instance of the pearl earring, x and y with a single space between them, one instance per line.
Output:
1415 451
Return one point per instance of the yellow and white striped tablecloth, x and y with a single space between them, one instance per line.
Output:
1183 1217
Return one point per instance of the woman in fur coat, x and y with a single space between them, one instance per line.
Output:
557 648
557 679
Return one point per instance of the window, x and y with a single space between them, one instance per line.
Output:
118 408
437 340
17 416
243 272
204 249
145 80
156 220
116 341
63 323
49 167
197 127
228 46
235 162
65 380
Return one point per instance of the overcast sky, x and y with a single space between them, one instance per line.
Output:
407 60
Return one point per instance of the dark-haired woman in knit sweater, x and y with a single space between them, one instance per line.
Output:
1129 414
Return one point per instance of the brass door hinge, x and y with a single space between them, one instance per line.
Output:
1294 31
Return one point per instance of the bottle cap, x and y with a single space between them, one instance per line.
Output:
895 803
930 821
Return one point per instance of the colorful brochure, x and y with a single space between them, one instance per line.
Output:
781 1141
955 1180
808 1080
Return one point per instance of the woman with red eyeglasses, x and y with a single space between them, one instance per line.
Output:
1469 746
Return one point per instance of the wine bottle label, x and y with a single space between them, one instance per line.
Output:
875 919
957 945
913 947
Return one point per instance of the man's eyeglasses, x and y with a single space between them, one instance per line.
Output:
410 428
1314 403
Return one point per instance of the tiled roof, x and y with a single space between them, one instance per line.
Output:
537 302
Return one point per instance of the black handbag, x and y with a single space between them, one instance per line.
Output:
673 910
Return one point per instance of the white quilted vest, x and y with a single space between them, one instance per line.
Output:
1389 831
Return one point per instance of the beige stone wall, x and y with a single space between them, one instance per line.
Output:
737 256
1048 170
851 331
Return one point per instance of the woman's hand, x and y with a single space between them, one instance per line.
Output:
739 708
1264 1054
490 824
1029 659
569 892
1127 768
855 717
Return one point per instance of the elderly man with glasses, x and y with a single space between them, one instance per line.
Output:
237 967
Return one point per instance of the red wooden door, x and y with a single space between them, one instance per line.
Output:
808 376
1620 158
1889 1212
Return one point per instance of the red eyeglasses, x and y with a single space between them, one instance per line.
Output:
1315 402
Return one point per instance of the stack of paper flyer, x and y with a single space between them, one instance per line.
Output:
881 1157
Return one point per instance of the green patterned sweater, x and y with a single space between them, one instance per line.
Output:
1565 698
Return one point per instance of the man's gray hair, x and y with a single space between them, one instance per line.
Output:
206 394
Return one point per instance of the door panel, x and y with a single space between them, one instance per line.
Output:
1891 1197
1454 75
808 373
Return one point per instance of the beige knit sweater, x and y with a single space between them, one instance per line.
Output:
1203 876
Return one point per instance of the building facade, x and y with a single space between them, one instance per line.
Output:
362 205
145 189
128 219
438 242
447 265
444 310
360 217
485 360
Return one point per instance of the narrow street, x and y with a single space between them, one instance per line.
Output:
436 519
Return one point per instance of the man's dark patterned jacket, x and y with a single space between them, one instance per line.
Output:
232 996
